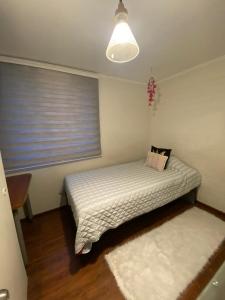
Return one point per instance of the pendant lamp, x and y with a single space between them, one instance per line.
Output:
122 46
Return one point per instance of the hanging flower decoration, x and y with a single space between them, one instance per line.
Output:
151 90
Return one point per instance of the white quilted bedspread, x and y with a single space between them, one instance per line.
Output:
105 198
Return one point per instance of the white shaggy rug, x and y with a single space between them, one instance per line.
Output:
160 264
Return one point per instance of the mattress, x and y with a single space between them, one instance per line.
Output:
104 198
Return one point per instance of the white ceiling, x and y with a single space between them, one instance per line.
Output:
173 35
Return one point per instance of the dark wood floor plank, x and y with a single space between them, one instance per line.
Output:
54 272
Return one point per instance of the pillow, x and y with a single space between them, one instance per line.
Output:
156 161
162 151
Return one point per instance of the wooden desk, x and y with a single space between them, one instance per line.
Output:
18 192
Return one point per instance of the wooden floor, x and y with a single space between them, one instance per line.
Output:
54 271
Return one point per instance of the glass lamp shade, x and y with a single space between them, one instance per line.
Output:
122 46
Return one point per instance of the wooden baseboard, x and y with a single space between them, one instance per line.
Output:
45 212
211 209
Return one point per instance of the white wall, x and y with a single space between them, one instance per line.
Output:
190 118
124 118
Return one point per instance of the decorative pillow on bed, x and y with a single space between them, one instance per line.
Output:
156 161
162 151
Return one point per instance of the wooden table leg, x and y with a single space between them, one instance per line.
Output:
20 236
28 209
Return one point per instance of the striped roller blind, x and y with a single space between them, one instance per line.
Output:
46 117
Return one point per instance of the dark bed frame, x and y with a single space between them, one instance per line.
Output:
191 196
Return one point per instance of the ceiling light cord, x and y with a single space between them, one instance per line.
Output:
121 8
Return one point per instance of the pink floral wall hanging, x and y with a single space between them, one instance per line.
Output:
151 90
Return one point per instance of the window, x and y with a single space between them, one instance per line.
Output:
46 117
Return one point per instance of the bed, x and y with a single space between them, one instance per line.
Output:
104 198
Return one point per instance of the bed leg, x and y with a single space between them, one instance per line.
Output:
191 196
64 199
